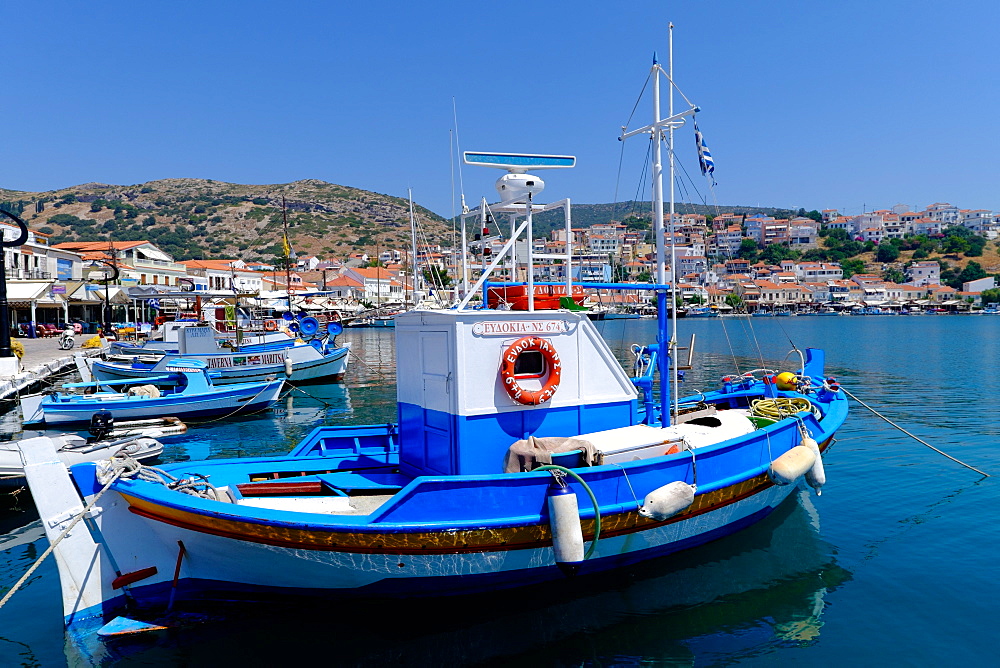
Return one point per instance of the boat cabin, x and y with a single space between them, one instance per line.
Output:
456 414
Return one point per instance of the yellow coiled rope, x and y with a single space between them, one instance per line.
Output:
782 407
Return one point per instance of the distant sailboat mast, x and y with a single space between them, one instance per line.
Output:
287 248
413 250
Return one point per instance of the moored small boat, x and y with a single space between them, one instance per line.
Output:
185 390
74 449
317 361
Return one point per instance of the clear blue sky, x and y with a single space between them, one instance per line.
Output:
816 104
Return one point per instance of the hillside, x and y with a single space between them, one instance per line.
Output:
196 218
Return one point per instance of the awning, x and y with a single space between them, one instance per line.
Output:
97 293
25 292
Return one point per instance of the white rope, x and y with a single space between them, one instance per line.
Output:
65 532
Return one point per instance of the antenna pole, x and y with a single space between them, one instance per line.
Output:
673 230
458 146
531 259
661 273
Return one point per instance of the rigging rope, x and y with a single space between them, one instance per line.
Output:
124 452
918 440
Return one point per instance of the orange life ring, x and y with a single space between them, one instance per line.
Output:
270 326
552 363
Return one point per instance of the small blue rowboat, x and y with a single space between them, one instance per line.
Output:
186 389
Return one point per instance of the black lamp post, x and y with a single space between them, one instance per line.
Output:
106 325
5 350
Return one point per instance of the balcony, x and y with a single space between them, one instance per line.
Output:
159 264
28 274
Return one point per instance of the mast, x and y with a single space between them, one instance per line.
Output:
656 131
663 360
673 228
413 250
288 254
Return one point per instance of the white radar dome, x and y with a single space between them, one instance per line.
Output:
517 186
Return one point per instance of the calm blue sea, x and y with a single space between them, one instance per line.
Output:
894 563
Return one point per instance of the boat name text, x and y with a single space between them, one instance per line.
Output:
502 328
264 358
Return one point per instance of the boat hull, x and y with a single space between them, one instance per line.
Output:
289 565
238 399
268 365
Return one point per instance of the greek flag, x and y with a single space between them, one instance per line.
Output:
153 304
704 155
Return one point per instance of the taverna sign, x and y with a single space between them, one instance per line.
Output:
522 327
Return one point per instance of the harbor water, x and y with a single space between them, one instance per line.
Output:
893 563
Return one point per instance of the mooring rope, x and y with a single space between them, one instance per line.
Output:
65 532
918 440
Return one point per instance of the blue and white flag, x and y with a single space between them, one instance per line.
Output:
153 304
704 155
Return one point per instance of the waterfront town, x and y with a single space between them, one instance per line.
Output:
726 263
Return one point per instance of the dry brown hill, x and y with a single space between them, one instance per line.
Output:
197 218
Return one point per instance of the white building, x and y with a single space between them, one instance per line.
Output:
923 273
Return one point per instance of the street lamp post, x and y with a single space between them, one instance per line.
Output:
22 236
106 324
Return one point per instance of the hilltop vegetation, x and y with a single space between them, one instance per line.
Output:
197 219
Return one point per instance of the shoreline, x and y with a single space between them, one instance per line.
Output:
42 358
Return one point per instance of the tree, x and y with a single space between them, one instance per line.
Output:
775 253
815 255
887 253
972 272
748 250
976 245
644 277
815 215
851 267
893 276
955 244
436 276
735 301
991 296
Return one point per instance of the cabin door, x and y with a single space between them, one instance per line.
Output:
438 400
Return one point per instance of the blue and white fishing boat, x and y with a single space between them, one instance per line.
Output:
168 341
319 360
187 389
522 452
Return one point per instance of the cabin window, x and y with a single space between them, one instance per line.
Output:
529 364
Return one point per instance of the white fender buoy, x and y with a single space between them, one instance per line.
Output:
288 367
665 502
567 534
792 465
816 476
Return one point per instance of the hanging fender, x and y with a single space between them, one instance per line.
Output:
792 465
564 521
552 364
816 476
